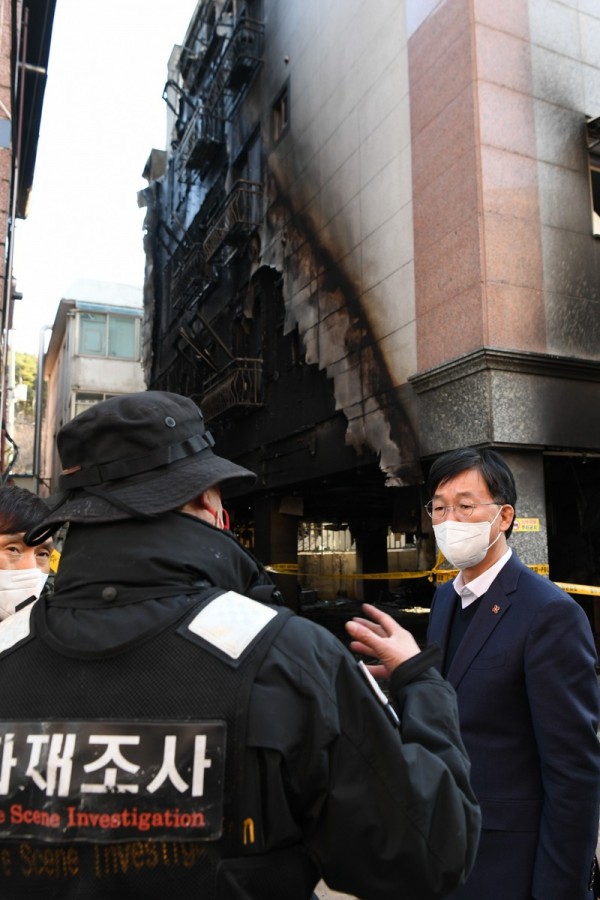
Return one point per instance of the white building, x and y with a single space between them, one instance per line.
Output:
94 353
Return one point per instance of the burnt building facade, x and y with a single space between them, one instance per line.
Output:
370 239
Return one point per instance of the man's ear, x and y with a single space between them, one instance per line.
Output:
507 515
204 500
200 506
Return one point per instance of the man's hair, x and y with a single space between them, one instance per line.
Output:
19 509
494 471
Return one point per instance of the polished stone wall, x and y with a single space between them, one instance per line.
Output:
507 272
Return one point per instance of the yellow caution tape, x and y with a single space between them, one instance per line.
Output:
283 568
436 574
292 569
589 589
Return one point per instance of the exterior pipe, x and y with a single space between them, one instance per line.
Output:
37 435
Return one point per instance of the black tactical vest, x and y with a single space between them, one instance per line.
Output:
173 676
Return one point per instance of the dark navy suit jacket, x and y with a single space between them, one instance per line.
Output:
524 674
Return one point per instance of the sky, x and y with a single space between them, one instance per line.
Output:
103 113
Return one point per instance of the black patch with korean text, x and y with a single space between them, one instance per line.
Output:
111 781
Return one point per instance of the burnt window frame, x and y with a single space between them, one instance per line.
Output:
593 148
594 169
280 124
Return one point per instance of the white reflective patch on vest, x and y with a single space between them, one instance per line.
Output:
231 622
15 628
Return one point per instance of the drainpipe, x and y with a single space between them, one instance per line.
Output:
37 435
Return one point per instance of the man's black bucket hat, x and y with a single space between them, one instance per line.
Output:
135 456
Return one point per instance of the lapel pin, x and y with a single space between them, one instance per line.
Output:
495 609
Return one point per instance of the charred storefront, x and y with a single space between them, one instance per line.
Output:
350 275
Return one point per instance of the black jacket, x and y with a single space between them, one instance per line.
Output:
338 791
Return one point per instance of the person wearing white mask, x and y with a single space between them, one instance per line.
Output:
520 654
23 570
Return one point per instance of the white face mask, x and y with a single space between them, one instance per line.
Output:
464 544
17 585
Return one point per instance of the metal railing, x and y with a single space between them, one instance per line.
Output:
203 135
190 276
238 385
238 217
237 66
207 28
244 52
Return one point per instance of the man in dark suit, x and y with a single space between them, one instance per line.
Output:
520 654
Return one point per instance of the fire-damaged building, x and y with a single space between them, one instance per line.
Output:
373 237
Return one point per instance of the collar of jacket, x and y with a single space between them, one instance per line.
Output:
124 562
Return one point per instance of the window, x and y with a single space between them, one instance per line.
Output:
281 115
595 188
121 337
92 334
109 335
83 401
593 142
